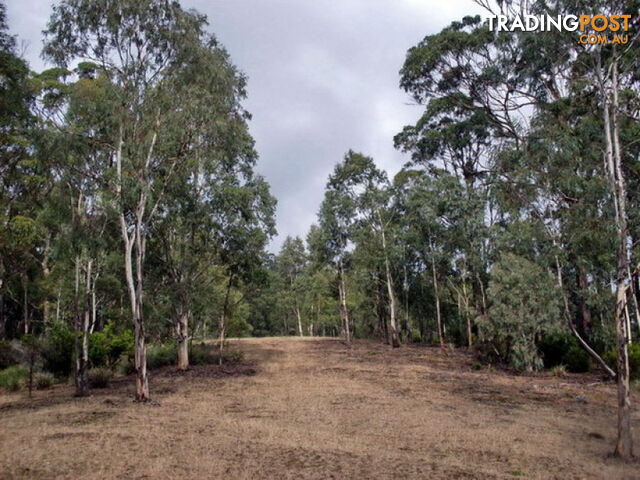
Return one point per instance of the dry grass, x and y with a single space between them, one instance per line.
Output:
312 408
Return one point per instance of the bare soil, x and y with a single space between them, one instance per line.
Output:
317 409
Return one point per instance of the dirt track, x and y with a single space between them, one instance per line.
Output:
311 408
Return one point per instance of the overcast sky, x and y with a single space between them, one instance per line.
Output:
323 78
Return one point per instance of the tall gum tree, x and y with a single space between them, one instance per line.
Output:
144 47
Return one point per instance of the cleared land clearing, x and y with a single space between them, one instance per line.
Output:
314 408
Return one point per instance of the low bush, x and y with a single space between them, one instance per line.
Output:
611 358
109 346
58 349
416 337
43 380
562 348
161 355
553 348
99 377
12 378
577 360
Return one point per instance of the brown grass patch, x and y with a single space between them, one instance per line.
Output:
316 409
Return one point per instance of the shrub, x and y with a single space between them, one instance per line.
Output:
43 380
611 357
161 355
99 377
524 306
9 354
554 347
416 337
12 378
57 350
106 348
577 360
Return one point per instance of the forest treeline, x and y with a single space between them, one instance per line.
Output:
131 211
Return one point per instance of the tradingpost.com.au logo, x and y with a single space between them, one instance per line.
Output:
596 29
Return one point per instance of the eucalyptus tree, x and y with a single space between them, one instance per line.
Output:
150 51
336 220
220 212
292 264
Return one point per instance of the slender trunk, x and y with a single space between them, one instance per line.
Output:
395 341
465 299
134 286
299 317
223 318
437 295
25 303
183 339
624 444
344 313
46 271
82 331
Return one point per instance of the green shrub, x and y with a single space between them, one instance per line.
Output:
12 378
9 354
161 355
611 358
108 347
553 347
416 337
576 360
58 349
524 306
99 377
43 380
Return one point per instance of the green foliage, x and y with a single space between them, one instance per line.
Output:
109 346
554 346
524 306
577 360
58 349
12 378
100 377
43 380
416 337
162 355
611 357
562 349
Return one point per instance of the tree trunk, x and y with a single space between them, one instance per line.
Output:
82 332
624 444
467 317
437 295
223 315
344 313
183 340
393 324
299 317
135 241
25 304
